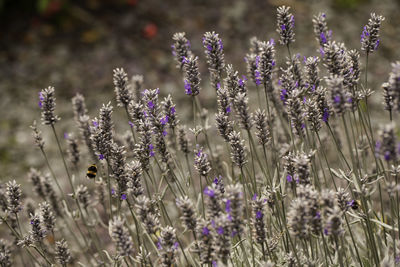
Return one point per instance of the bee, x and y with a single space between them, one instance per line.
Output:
354 204
92 171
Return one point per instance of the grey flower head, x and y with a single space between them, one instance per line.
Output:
215 57
51 195
144 148
37 232
205 241
335 57
47 103
86 133
168 246
322 103
238 153
222 245
120 235
255 45
201 162
313 114
304 217
312 73
340 99
333 223
5 254
102 132
386 146
242 109
191 76
258 220
224 125
62 252
134 175
73 150
294 109
37 135
79 106
13 194
252 61
181 48
122 87
148 214
37 181
351 72
321 31
262 127
169 109
285 23
47 216
234 207
391 88
188 213
183 140
83 196
118 163
266 62
213 200
342 198
232 82
136 85
370 34
223 101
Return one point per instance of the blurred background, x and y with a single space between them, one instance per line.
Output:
74 46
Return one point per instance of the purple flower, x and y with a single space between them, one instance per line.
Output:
151 148
289 178
206 231
326 231
130 124
323 38
65 135
40 104
318 215
272 41
228 206
173 110
254 197
112 191
325 116
228 109
387 156
150 104
259 214
214 264
337 99
257 61
164 120
218 86
123 196
159 245
209 47
164 133
209 192
283 27
322 52
213 223
95 124
323 15
221 46
216 181
258 81
220 230
188 88
376 45
101 156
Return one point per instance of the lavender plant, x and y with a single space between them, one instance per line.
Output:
317 186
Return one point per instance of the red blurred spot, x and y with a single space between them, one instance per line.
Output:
132 2
150 31
52 8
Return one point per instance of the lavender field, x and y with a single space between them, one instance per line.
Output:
239 134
